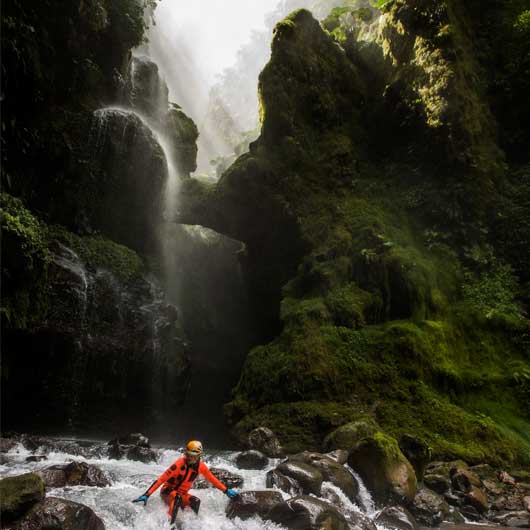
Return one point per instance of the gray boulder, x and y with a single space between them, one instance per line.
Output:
331 471
429 507
73 474
437 483
59 514
132 447
264 440
396 518
276 479
339 455
251 503
308 478
251 460
307 513
19 494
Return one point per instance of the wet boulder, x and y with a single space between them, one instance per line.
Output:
135 438
73 474
59 514
429 507
276 479
231 480
417 452
396 518
384 469
251 460
331 471
307 477
251 503
264 440
132 447
19 494
437 483
358 521
307 513
349 435
339 455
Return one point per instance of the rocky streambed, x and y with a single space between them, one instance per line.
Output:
72 484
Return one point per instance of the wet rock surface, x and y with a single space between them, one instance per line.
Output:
95 314
251 503
276 479
331 471
74 474
264 440
396 518
429 507
307 513
133 447
251 459
306 477
59 514
339 455
18 494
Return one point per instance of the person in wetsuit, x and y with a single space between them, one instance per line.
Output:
178 478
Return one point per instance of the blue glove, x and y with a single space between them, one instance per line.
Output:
232 493
142 498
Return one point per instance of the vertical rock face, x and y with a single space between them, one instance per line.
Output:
107 351
148 94
122 195
364 184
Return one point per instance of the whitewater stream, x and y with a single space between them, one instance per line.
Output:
113 504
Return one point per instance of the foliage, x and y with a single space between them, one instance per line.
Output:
493 293
25 258
96 252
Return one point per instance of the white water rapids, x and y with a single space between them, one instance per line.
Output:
113 504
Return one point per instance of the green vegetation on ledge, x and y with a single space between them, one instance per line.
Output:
389 316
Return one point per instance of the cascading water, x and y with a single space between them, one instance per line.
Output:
130 479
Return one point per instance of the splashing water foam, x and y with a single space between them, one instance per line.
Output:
113 504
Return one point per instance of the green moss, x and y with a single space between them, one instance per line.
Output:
285 420
19 493
25 259
96 252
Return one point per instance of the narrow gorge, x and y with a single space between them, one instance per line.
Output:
328 243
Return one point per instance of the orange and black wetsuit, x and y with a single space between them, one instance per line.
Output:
178 478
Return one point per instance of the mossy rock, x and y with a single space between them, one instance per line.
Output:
384 469
19 494
25 258
349 435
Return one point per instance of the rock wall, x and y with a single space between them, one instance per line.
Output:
365 194
98 349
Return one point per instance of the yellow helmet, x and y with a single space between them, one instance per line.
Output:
194 448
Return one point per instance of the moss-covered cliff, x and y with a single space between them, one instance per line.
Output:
368 206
